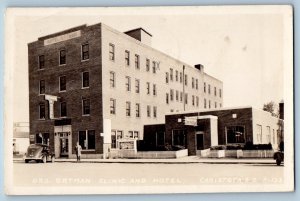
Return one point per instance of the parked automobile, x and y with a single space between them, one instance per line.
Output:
39 153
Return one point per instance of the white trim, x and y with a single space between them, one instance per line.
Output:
59 84
81 55
82 80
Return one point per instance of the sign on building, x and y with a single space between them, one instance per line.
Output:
190 121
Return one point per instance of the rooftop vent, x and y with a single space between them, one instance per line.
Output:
200 67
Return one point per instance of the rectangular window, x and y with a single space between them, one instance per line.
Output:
197 84
148 88
235 134
148 111
193 100
181 96
41 62
137 86
209 104
167 98
204 88
147 65
42 87
185 79
154 89
220 93
215 104
62 83
127 57
85 79
220 104
268 135
179 137
85 51
127 84
180 77
167 77
197 101
193 83
112 80
63 109
62 57
136 134
85 106
209 89
177 95
42 138
176 75
137 61
215 91
171 94
186 98
42 114
112 106
137 110
154 67
204 103
128 109
171 74
111 51
154 111
113 139
87 139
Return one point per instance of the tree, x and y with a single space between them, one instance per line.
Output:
272 108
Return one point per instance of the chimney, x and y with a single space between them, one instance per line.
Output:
200 67
141 35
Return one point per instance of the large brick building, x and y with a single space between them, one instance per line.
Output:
81 77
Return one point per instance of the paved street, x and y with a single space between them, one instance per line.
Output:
78 174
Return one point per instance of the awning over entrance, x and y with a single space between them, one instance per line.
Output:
62 122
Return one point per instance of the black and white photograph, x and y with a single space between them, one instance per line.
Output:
148 100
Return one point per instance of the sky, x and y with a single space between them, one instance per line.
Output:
243 47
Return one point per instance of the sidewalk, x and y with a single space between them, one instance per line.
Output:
183 160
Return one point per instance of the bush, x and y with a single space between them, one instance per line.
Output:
251 146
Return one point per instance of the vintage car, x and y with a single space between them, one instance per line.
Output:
39 153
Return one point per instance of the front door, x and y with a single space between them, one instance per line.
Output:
64 144
200 141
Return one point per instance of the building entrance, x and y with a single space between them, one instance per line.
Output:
64 144
199 140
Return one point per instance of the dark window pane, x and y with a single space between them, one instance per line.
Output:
42 111
82 139
85 52
62 83
42 86
62 57
63 109
91 139
85 79
86 106
41 61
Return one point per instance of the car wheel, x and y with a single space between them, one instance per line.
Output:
278 162
52 159
44 159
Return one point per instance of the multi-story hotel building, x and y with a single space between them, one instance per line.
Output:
80 77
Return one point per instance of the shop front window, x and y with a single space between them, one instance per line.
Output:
235 134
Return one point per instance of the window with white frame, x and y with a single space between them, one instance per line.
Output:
63 109
85 52
268 135
85 80
62 57
259 133
42 113
85 106
42 87
41 61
